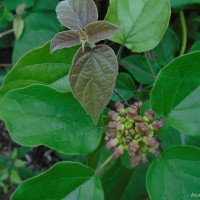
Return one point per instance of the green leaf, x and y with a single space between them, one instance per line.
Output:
4 175
92 78
120 183
181 3
6 17
64 180
195 46
40 115
12 5
100 30
143 24
175 174
76 14
18 26
136 187
170 137
125 86
39 66
15 177
138 67
197 19
36 32
65 39
45 4
176 94
168 47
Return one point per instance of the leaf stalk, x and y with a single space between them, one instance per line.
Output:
105 163
184 30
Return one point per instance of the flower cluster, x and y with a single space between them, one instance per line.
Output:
128 131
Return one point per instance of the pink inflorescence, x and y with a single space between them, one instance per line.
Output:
128 131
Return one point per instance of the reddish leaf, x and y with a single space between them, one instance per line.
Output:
65 39
100 30
92 78
76 14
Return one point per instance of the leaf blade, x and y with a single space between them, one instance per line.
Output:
100 30
40 67
165 174
76 14
92 78
54 119
61 182
177 99
65 39
143 24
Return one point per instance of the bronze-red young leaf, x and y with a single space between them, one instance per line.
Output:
65 39
100 30
92 78
75 14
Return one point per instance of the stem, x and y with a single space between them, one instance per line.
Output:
6 33
6 65
119 95
184 29
99 170
149 64
120 52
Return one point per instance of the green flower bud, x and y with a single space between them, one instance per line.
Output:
122 127
123 120
123 112
143 148
138 138
128 125
145 119
118 135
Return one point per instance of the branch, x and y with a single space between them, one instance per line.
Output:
6 65
6 33
99 170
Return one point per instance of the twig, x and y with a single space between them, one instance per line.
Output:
119 95
6 65
6 33
99 170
